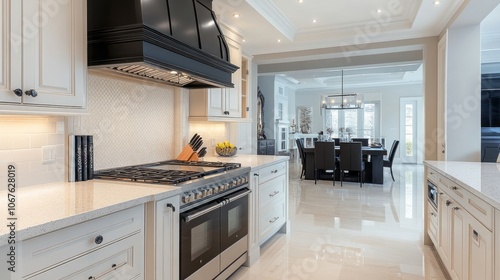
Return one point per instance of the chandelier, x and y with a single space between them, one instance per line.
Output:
342 100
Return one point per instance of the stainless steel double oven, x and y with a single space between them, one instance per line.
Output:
214 237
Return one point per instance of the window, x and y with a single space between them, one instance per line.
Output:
358 122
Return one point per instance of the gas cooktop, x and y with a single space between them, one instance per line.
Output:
166 172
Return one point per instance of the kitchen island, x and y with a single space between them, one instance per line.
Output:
464 222
55 212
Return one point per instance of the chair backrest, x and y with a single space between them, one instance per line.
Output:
393 150
300 146
324 155
364 141
351 156
337 141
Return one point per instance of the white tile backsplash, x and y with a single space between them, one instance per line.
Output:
22 138
132 121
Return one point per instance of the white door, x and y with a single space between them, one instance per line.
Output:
54 52
408 138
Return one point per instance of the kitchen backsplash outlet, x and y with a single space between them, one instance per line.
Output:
22 139
132 121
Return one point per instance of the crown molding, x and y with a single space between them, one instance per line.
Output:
274 16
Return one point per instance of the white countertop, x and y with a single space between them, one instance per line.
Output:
482 179
44 208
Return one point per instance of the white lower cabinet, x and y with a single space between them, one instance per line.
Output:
464 243
162 239
268 206
109 247
432 223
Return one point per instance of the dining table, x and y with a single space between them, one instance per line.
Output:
374 172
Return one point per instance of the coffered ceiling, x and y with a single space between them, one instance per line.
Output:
271 27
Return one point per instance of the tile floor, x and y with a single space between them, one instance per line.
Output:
348 232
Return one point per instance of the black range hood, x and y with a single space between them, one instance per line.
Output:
177 42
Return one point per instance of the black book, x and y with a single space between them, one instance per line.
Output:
78 158
85 160
90 156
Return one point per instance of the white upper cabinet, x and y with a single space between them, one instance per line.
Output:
219 104
44 45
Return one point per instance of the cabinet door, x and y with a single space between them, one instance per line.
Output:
444 233
54 52
10 51
216 106
479 250
458 238
233 95
167 239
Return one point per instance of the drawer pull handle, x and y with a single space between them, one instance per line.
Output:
31 93
98 240
454 188
456 208
448 203
441 193
113 268
273 194
255 174
170 205
274 171
274 220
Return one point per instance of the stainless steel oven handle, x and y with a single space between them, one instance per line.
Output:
189 218
236 197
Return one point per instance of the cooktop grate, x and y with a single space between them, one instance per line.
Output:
146 175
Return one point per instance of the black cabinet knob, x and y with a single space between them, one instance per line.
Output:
31 93
18 92
98 240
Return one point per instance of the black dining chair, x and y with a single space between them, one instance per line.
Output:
324 158
364 141
389 160
337 141
351 159
300 146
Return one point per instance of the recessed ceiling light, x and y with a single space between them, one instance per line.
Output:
236 15
314 21
379 11
300 1
437 2
244 40
279 40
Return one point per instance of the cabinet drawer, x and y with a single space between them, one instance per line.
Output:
69 243
271 219
478 208
272 190
432 175
271 172
120 260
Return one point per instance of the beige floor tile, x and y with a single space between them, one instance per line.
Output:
344 233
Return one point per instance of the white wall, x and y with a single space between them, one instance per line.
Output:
463 94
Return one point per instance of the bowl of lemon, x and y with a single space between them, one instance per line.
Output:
225 149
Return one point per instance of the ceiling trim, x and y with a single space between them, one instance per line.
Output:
341 62
274 16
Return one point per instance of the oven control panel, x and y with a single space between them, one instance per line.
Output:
213 189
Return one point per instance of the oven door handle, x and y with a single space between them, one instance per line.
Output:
189 218
236 197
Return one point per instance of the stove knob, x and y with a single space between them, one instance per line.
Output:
214 189
240 180
187 197
198 194
227 185
209 191
244 179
